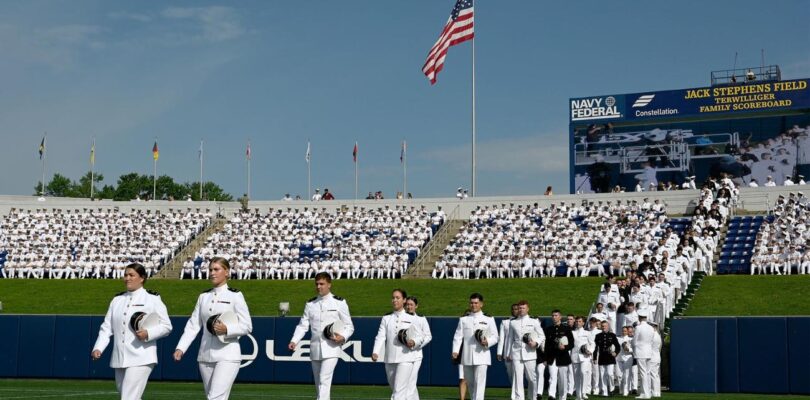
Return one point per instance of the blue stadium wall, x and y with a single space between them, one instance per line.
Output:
741 355
59 347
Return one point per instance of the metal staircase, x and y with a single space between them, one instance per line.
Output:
423 265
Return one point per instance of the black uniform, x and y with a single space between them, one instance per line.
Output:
605 343
553 353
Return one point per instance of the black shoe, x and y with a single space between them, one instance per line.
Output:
539 397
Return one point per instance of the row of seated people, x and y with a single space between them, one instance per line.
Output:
296 244
571 240
55 243
783 243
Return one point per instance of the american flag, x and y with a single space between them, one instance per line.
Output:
459 29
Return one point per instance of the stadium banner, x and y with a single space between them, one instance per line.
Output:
694 102
740 355
50 346
755 133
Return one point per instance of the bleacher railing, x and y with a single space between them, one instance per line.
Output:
746 75
440 235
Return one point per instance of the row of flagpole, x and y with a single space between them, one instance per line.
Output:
248 157
458 29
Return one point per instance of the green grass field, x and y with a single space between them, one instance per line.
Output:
740 295
98 390
365 297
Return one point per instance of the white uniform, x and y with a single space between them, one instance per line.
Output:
219 362
505 350
655 365
132 358
475 357
424 331
319 312
398 358
643 350
582 362
524 357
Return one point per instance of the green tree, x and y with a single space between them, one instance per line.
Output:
211 192
59 186
83 187
133 185
107 192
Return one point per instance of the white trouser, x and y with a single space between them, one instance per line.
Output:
570 386
413 393
582 378
131 382
606 373
218 378
557 381
509 368
655 378
592 384
644 377
519 369
476 377
626 369
399 379
541 377
322 372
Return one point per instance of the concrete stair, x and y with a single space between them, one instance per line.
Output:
683 303
423 265
172 268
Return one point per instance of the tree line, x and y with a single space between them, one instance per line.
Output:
131 186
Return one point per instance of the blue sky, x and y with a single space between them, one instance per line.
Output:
279 73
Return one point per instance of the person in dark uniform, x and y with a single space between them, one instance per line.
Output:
607 346
559 341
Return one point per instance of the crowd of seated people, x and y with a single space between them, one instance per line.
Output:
771 162
378 243
594 238
783 242
70 244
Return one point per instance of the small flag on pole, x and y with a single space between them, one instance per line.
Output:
309 153
354 152
155 152
247 153
42 148
93 153
458 29
402 152
200 152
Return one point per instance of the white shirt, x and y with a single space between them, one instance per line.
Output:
424 330
502 350
128 350
319 312
643 342
519 327
475 353
387 344
212 302
582 338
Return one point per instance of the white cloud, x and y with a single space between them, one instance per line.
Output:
525 156
130 16
217 23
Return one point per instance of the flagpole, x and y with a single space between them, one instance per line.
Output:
404 169
473 118
201 169
44 156
356 161
154 177
250 156
309 171
92 167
